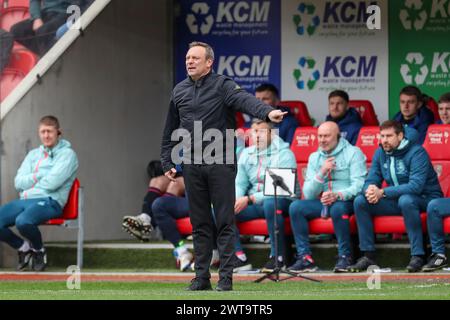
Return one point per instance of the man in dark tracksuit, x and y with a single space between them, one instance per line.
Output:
348 119
413 112
212 99
411 184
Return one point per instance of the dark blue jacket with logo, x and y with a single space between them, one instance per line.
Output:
349 125
420 122
406 170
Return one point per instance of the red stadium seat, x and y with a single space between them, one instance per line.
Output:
368 141
304 143
437 142
394 224
433 106
73 217
300 111
252 227
23 60
12 15
325 226
316 226
366 111
10 78
442 169
447 225
17 3
259 226
71 208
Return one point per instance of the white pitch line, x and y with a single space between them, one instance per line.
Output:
238 275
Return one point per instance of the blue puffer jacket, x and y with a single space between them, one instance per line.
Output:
48 173
348 177
252 166
349 125
406 170
420 122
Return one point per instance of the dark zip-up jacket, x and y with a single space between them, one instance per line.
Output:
349 125
420 122
213 99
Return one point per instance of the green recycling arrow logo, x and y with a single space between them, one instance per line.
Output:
306 21
306 76
413 16
414 71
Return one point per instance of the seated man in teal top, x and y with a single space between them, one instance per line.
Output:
44 181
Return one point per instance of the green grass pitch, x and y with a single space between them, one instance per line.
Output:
242 291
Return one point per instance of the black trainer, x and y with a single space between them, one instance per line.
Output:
415 264
270 265
362 264
39 260
225 284
342 265
437 261
239 265
24 259
199 284
304 263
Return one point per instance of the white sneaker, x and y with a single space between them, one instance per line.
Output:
184 260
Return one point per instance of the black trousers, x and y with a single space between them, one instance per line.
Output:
206 185
44 38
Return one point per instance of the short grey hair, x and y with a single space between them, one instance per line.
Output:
208 48
259 121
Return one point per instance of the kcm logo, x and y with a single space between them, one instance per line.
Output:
346 12
334 13
201 17
334 70
242 66
417 71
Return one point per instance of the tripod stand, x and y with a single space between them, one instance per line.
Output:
277 181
